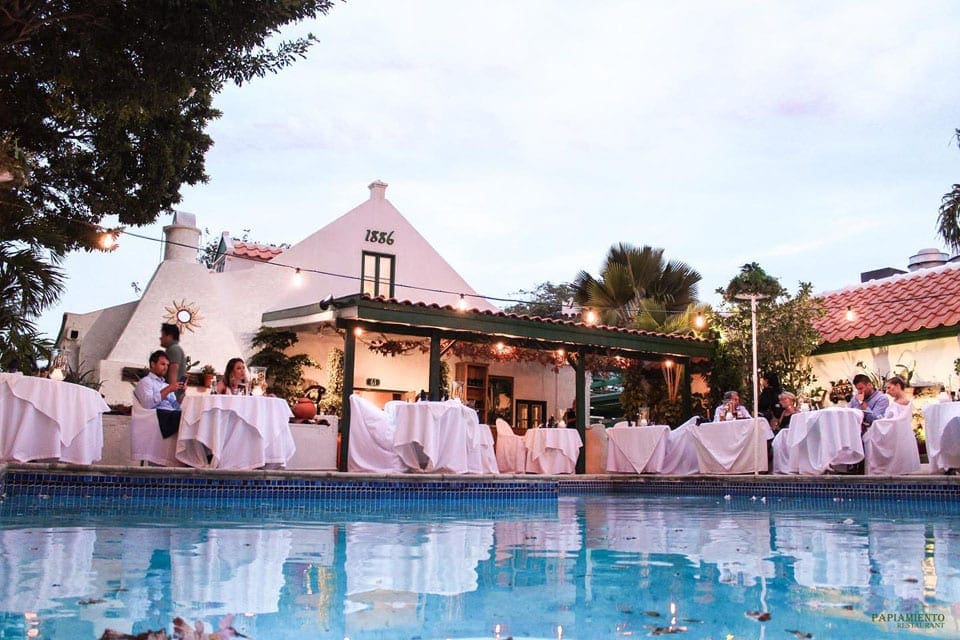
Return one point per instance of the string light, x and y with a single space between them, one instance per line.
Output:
358 331
699 322
297 278
462 303
590 317
850 315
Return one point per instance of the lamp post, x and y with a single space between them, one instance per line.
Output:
753 297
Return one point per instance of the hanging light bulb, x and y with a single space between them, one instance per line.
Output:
699 322
107 239
358 331
850 315
462 303
590 317
297 277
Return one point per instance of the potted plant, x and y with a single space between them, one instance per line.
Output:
207 372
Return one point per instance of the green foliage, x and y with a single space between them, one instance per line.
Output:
637 283
546 300
752 280
644 386
785 334
332 401
284 372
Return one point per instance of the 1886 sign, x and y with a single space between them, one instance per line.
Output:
379 237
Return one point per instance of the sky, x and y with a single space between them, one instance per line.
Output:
523 139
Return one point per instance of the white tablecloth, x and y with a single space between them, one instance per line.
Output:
732 446
552 450
636 449
221 571
816 440
42 418
242 432
441 437
942 425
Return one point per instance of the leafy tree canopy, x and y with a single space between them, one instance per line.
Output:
786 335
752 280
546 300
106 101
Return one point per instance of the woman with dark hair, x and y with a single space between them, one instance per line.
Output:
234 378
768 404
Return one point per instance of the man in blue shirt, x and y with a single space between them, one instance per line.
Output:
153 392
872 402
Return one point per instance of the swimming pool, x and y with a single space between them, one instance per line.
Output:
571 566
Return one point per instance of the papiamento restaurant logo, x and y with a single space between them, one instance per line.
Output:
910 620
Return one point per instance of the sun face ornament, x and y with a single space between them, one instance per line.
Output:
183 314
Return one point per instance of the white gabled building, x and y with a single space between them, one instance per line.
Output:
372 249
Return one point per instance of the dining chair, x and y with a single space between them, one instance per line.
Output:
595 454
511 449
371 439
890 447
147 444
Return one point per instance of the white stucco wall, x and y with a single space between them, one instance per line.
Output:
931 360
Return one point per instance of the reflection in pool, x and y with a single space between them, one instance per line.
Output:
583 567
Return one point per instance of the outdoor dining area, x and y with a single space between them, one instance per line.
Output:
49 420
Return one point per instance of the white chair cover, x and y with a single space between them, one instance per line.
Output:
942 428
511 449
890 448
681 456
637 449
737 446
595 455
949 454
371 439
147 444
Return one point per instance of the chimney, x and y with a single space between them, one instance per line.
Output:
181 238
927 259
378 190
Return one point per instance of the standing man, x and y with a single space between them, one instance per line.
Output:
170 340
873 403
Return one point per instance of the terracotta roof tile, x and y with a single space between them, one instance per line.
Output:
254 251
923 299
567 320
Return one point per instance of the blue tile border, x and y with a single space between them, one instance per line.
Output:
146 484
930 488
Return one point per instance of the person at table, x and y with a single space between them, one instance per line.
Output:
170 341
768 404
234 382
570 418
731 405
788 405
873 403
901 405
154 392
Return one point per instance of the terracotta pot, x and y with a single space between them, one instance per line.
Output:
304 409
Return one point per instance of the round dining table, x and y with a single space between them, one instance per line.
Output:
44 419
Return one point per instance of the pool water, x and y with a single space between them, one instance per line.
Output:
580 567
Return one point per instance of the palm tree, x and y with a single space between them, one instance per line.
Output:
948 223
635 284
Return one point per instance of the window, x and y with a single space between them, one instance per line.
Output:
377 274
530 414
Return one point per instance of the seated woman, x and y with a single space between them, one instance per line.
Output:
901 405
234 380
788 404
